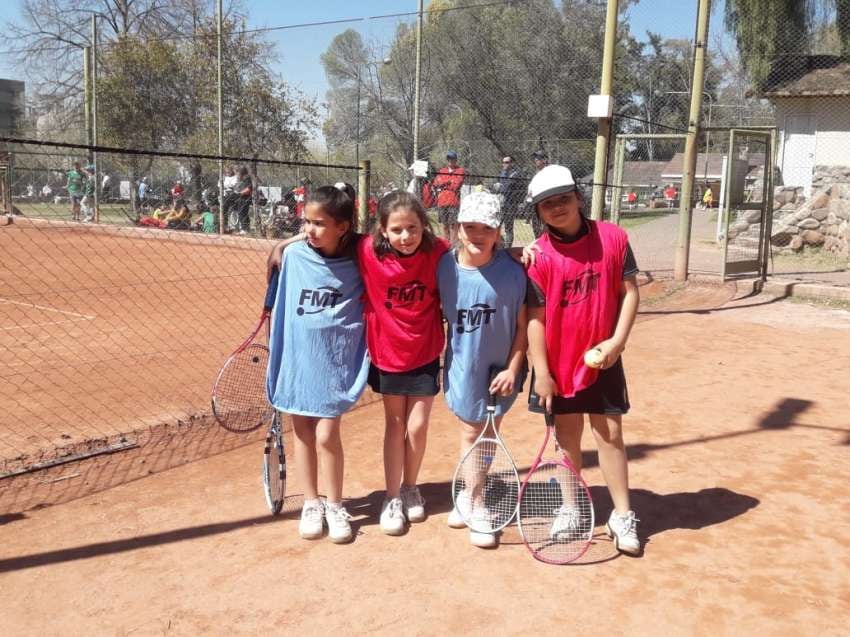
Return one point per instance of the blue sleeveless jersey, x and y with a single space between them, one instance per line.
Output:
317 348
481 307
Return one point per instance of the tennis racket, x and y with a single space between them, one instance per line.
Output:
555 511
274 466
239 400
486 483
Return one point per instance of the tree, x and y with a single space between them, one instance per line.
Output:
768 34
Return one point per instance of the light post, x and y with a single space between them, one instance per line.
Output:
358 76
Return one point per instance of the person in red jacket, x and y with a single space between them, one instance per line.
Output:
446 185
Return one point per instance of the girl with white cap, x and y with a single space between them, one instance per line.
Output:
482 290
583 296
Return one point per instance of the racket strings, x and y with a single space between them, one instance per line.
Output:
239 399
486 487
556 514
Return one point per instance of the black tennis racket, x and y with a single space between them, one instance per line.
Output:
486 483
555 511
274 466
239 400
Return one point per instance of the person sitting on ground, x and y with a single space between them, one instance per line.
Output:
206 222
179 217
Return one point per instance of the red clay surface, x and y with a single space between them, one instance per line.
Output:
738 438
107 331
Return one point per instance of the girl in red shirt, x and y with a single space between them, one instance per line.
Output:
583 295
404 334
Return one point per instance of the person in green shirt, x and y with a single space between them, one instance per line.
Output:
207 221
87 202
75 190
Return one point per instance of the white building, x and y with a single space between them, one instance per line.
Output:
812 99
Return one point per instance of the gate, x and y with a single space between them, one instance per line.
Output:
746 204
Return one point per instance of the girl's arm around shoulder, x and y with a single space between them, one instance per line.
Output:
275 257
629 301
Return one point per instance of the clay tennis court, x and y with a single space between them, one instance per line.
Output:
738 439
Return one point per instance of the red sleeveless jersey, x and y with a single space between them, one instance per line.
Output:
581 281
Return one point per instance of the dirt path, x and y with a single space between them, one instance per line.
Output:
738 439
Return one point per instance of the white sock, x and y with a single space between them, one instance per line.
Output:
315 502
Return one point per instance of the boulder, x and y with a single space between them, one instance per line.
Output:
808 224
812 237
796 244
741 226
831 219
819 200
831 243
820 213
840 208
840 191
753 216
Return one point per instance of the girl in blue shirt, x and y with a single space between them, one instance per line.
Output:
482 290
317 353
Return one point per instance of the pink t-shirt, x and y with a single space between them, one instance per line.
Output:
403 323
581 281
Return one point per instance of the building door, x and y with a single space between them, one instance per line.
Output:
798 152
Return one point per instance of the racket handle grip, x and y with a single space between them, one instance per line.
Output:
494 371
271 290
550 419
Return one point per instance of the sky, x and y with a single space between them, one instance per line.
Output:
300 48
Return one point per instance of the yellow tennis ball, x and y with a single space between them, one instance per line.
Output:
594 358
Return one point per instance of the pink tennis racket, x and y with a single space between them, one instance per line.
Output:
555 510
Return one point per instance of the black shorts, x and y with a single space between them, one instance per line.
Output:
608 395
422 381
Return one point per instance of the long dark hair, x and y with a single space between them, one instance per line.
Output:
338 206
389 203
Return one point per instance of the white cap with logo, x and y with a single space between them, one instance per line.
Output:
550 181
481 207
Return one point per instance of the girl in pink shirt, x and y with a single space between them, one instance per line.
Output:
583 295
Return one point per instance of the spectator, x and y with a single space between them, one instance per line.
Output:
670 195
87 202
301 193
74 185
708 198
177 191
512 187
541 160
244 190
46 192
30 191
179 217
143 193
446 187
106 187
631 198
207 220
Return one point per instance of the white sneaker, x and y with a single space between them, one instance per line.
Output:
623 529
414 503
566 523
477 534
392 516
311 525
339 530
456 520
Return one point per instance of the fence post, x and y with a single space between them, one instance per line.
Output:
600 166
364 179
689 163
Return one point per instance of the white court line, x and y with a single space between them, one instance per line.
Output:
49 309
21 327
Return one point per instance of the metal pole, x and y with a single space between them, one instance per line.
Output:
600 166
680 268
416 82
357 132
94 113
222 226
363 183
87 88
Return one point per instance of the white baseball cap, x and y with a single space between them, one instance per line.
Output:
549 181
481 207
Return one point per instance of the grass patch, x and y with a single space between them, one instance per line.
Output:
834 304
810 260
113 213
